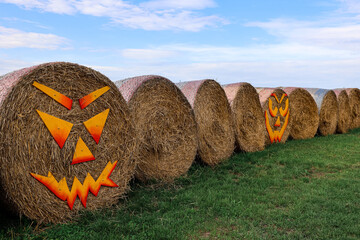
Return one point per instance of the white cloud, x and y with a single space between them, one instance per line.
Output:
14 38
147 54
341 34
303 73
55 6
176 4
351 6
7 65
152 15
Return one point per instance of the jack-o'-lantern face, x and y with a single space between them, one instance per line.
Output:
278 109
60 130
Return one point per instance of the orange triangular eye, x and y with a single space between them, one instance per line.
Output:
82 153
60 98
284 111
95 125
273 111
59 129
85 101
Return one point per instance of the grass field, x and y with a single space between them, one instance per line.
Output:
303 189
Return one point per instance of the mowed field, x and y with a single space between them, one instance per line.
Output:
304 189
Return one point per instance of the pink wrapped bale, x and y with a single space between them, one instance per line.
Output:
213 118
165 126
248 116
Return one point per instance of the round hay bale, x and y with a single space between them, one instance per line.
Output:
277 123
304 113
328 109
354 101
46 140
213 117
248 116
344 120
165 125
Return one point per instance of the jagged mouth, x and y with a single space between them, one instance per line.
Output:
61 189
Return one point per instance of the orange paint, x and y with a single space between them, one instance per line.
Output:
277 124
276 135
273 111
58 128
85 101
60 98
82 153
61 189
283 112
95 125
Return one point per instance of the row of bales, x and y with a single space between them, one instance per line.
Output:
67 130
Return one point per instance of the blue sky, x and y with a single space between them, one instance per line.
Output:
305 43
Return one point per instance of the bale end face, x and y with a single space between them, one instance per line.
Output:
277 114
248 116
329 114
344 120
354 102
214 123
42 123
166 129
304 114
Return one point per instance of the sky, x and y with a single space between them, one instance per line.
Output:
268 43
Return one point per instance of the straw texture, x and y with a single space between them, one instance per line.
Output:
28 147
345 118
248 116
328 109
165 125
304 113
213 118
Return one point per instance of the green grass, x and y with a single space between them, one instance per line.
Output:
303 189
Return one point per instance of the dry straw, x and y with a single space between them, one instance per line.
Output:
213 118
248 116
328 110
28 147
304 113
345 118
165 125
266 94
354 101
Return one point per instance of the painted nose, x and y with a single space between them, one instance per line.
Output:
277 124
82 153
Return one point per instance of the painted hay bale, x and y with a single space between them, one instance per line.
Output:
213 117
165 125
304 113
65 129
277 112
328 109
345 119
248 116
354 101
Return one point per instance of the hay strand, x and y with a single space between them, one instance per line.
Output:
28 147
354 101
165 125
304 113
344 120
328 110
213 118
248 116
